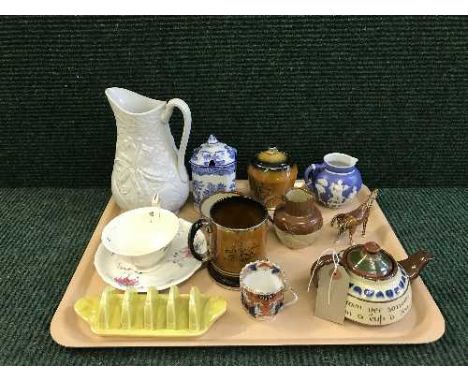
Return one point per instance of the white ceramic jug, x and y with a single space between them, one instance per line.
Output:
147 161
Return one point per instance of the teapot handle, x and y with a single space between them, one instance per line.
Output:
183 107
321 262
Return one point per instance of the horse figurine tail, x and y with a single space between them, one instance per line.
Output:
334 220
370 200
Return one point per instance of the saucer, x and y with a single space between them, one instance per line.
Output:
177 266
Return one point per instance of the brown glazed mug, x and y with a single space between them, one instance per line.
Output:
238 227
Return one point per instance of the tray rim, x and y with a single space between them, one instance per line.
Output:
437 327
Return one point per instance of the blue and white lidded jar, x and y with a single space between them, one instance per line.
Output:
336 181
213 169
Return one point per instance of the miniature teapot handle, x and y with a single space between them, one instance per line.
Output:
321 262
311 172
166 115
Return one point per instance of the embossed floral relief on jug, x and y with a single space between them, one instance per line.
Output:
147 161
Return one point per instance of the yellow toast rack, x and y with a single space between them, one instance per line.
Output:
150 314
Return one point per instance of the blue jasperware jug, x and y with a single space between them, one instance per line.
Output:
336 181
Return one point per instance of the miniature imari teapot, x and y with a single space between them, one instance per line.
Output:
379 289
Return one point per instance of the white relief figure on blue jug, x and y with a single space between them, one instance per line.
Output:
213 169
336 181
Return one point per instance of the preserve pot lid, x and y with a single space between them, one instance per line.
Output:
369 261
213 154
272 159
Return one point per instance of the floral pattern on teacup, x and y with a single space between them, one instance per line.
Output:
177 266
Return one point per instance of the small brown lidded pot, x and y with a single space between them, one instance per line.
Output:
297 220
271 173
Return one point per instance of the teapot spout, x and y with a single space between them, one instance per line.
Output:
414 264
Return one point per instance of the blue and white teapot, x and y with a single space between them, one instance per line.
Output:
213 169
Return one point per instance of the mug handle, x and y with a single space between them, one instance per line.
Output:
313 169
199 224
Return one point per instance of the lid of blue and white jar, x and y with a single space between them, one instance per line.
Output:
213 153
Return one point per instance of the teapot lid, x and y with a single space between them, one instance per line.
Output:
272 159
370 261
213 153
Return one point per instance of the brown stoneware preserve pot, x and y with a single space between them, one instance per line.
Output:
379 289
297 219
271 174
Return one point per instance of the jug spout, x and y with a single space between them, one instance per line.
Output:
340 160
353 160
128 102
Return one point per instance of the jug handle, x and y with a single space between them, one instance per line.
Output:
166 115
314 168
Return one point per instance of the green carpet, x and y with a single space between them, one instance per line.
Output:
373 87
44 232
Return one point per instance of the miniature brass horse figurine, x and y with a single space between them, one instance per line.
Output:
351 220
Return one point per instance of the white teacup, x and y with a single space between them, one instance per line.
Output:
141 236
